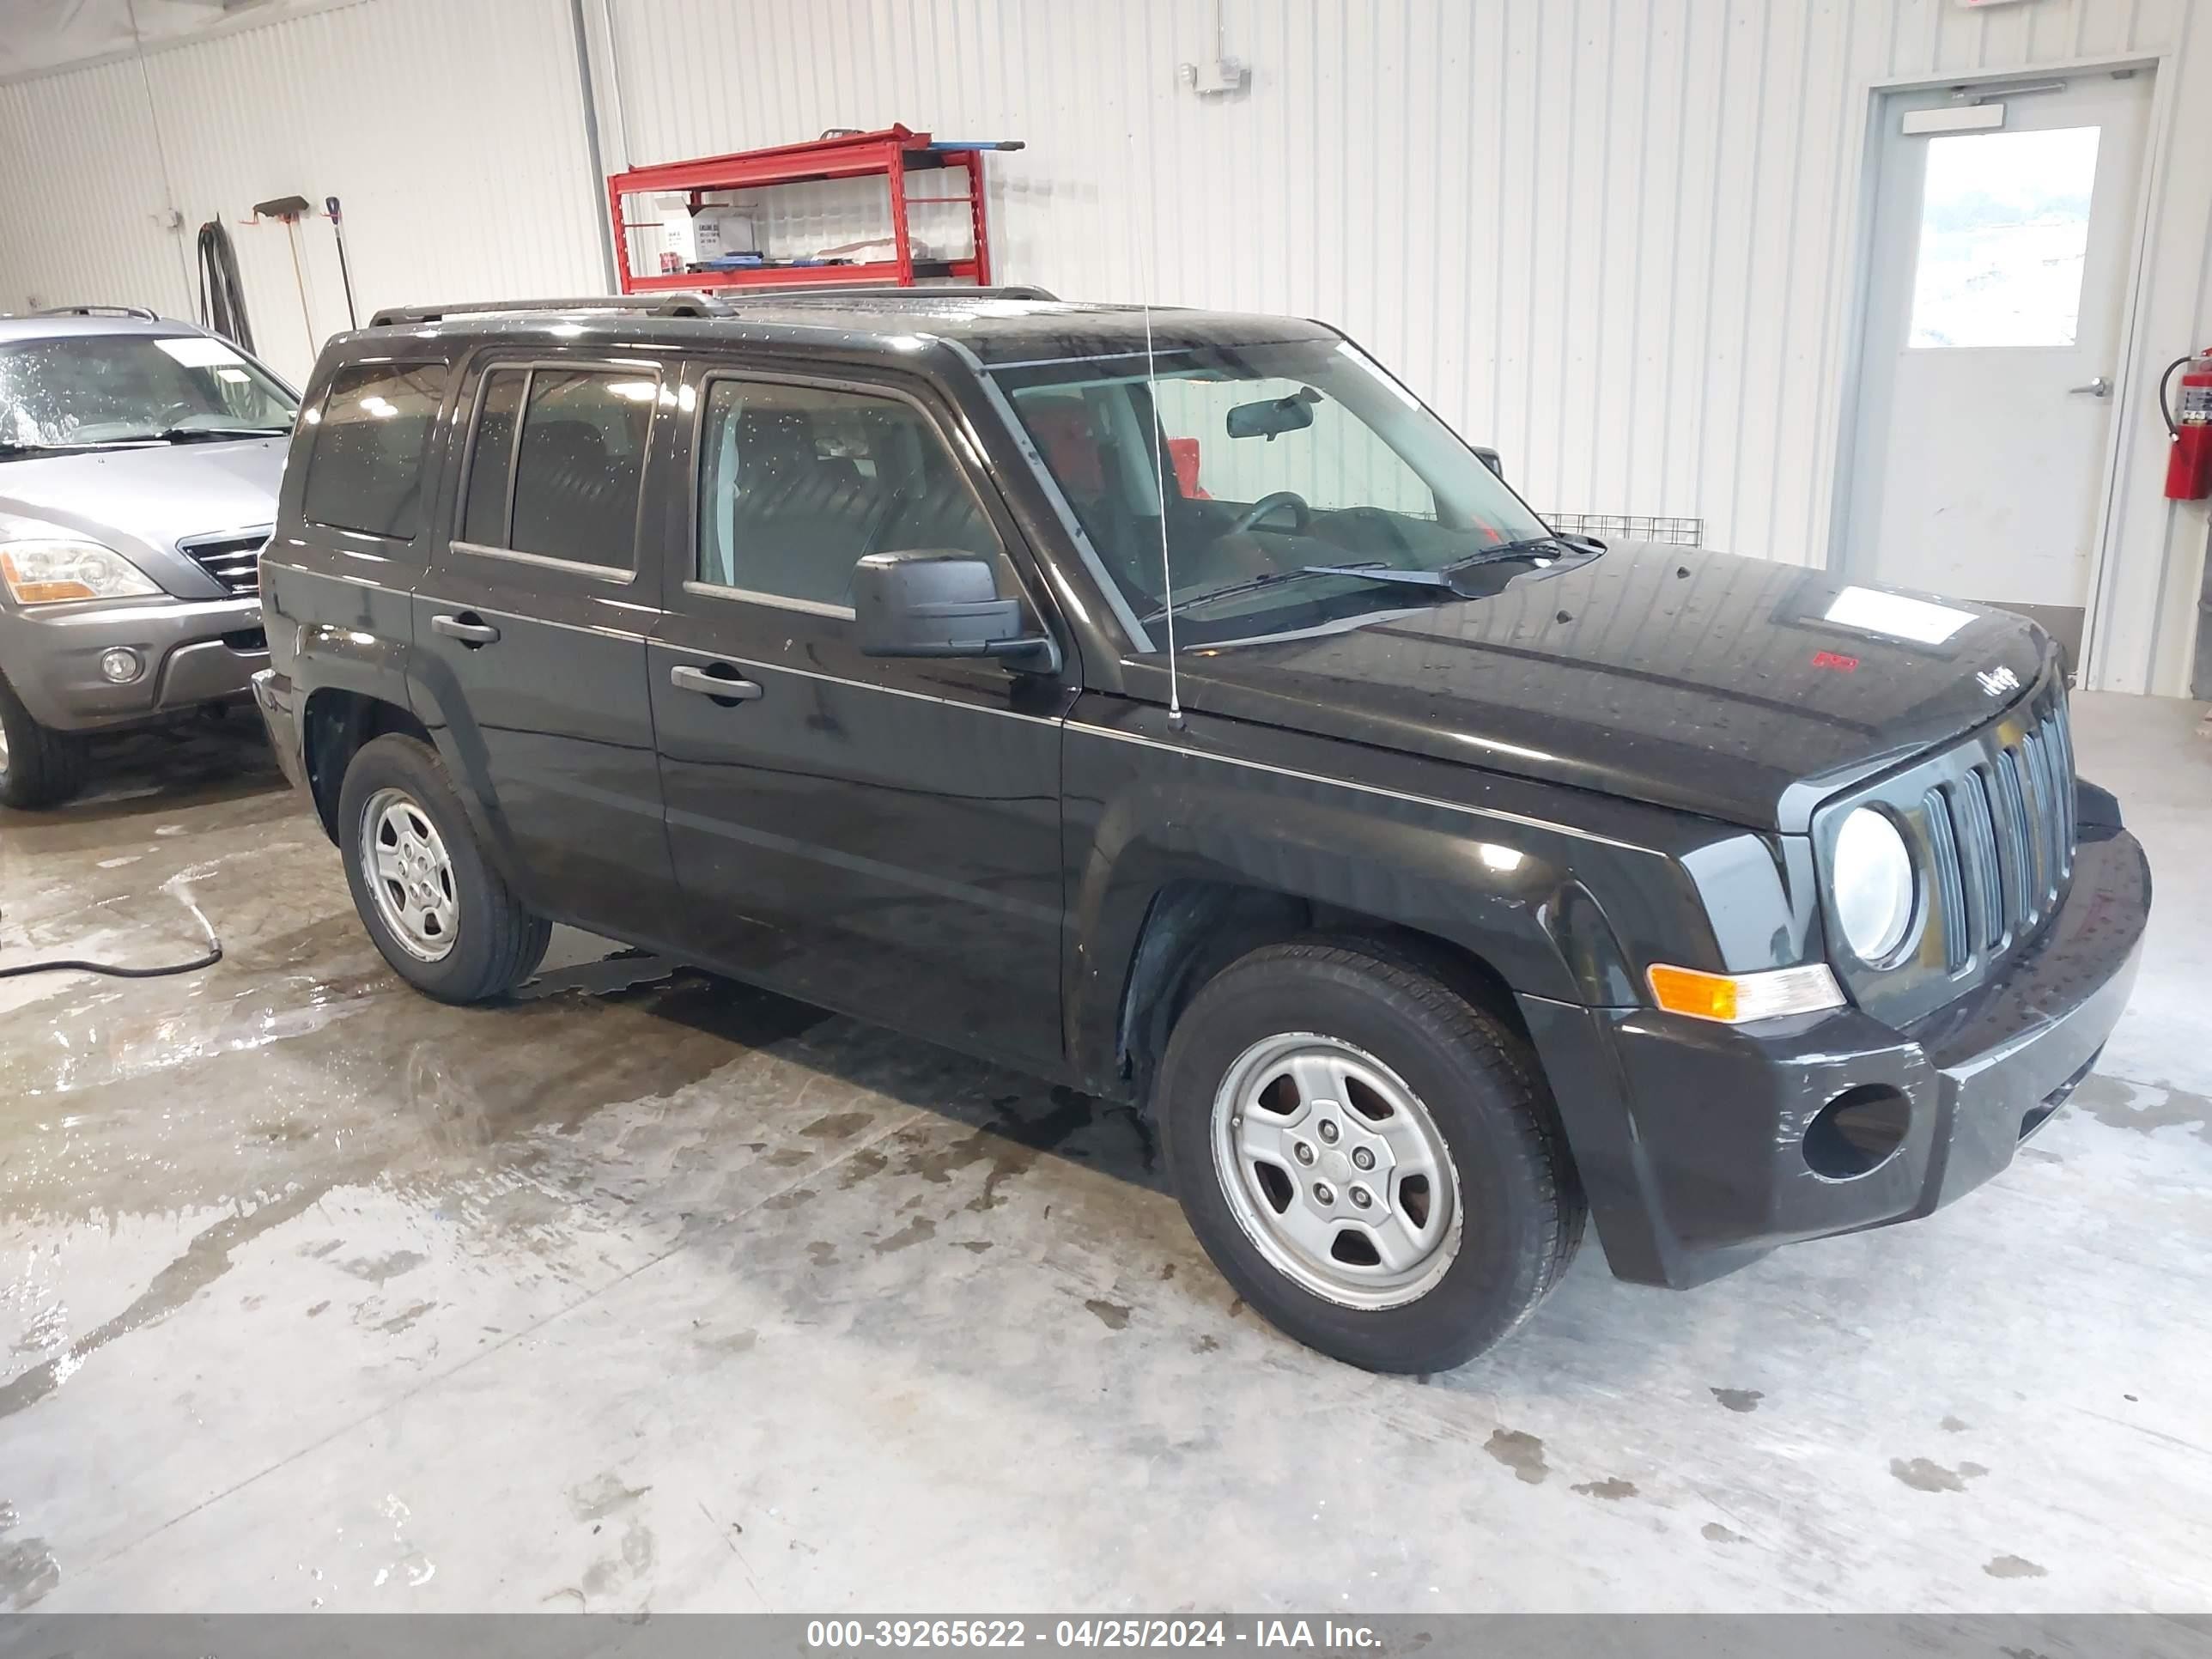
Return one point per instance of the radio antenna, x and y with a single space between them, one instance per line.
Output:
1160 495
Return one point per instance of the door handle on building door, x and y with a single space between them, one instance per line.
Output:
2100 387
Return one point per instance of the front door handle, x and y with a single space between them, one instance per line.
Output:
465 628
2100 387
708 683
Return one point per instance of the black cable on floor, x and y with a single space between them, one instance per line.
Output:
112 970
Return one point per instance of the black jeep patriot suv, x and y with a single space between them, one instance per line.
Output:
1169 703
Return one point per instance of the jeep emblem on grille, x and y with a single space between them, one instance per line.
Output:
1997 681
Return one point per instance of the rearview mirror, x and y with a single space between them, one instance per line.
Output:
939 604
1272 416
1490 459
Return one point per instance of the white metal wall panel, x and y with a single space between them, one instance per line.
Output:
1615 238
453 136
455 182
82 207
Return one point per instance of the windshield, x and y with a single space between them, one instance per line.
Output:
88 390
1278 458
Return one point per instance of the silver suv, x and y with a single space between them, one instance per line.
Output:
139 461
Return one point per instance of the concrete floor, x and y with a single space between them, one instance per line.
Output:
654 1291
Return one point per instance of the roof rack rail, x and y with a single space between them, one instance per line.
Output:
883 290
669 303
138 311
688 302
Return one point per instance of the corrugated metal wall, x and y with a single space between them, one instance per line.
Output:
1617 238
453 136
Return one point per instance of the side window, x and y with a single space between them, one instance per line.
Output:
797 483
565 449
365 469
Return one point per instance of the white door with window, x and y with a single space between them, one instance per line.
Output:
2001 263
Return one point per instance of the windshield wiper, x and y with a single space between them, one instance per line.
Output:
1434 581
1526 547
185 434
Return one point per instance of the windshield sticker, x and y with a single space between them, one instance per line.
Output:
197 352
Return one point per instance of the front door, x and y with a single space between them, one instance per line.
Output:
2000 262
530 634
880 835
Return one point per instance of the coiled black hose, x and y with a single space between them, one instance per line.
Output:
222 301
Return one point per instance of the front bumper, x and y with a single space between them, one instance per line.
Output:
1690 1137
195 653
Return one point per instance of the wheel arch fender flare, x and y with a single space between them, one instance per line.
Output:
1497 890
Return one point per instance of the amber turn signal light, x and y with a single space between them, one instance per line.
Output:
1738 999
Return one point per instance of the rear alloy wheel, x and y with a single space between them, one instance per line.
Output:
38 767
1370 1158
410 873
434 902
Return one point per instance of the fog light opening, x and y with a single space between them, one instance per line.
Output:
121 665
1857 1132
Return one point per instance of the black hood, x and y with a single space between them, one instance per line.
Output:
1732 687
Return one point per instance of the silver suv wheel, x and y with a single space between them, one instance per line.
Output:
406 867
1336 1170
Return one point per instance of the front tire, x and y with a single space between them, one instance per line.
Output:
1373 1161
433 901
39 767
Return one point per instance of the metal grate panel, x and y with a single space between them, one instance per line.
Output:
1630 527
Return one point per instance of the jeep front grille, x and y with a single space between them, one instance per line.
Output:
233 561
2002 835
1991 820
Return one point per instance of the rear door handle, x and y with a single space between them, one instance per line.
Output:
465 629
686 677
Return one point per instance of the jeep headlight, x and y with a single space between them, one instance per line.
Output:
1871 880
52 570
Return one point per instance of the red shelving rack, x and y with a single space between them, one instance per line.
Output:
893 153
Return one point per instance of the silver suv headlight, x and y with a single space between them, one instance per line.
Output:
53 570
1873 883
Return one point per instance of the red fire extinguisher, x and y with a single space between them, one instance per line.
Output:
2189 465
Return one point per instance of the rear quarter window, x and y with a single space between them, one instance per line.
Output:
365 459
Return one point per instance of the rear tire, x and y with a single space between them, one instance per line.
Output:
1362 1068
435 904
39 767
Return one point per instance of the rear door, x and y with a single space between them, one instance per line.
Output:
530 629
881 835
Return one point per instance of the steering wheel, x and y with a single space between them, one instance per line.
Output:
1268 506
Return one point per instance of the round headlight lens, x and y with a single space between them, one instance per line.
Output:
1873 877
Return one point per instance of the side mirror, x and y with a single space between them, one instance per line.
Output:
932 604
1490 459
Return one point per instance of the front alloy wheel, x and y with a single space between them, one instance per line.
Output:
1370 1156
1335 1170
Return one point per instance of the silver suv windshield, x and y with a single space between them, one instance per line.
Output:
1282 462
89 391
